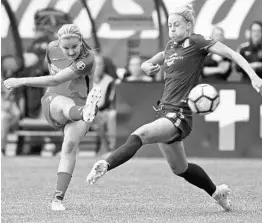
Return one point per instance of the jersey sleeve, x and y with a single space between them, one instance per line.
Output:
203 42
83 66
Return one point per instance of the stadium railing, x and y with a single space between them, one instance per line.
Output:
37 132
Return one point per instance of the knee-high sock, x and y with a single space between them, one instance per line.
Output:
124 152
75 113
63 180
198 177
64 175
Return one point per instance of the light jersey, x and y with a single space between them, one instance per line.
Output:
78 88
182 66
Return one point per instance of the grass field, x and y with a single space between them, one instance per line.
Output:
142 190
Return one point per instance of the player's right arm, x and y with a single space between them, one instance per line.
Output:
152 66
70 73
62 76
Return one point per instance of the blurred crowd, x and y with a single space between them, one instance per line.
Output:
25 102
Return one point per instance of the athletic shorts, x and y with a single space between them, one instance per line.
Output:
46 101
180 116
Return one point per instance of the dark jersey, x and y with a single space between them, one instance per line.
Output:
183 64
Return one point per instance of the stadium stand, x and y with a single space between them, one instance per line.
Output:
35 131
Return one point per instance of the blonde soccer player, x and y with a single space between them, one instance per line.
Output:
182 61
70 101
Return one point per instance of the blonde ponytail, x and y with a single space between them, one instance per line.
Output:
186 11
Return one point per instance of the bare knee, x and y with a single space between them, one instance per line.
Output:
178 165
69 146
144 136
178 169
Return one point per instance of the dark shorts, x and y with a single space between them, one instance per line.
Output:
46 101
180 116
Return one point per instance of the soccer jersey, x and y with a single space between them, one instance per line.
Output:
182 66
78 88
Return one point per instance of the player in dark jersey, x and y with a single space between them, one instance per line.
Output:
67 103
182 59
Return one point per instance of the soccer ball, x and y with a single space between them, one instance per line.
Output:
203 99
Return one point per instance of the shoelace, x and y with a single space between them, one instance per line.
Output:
222 194
58 201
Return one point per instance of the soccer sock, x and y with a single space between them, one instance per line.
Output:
198 177
124 152
63 180
75 113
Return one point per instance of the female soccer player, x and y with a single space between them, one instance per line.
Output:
67 103
182 59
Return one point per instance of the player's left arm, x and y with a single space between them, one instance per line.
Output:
224 51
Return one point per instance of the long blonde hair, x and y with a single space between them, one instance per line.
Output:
68 31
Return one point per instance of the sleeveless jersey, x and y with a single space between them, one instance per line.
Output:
78 88
182 66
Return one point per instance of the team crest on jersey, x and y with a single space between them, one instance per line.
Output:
80 65
186 43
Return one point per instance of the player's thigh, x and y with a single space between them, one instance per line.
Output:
175 156
59 106
160 130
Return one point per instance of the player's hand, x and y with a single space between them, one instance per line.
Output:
13 83
257 84
150 69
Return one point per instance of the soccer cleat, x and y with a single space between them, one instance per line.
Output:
221 196
57 205
98 170
89 110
